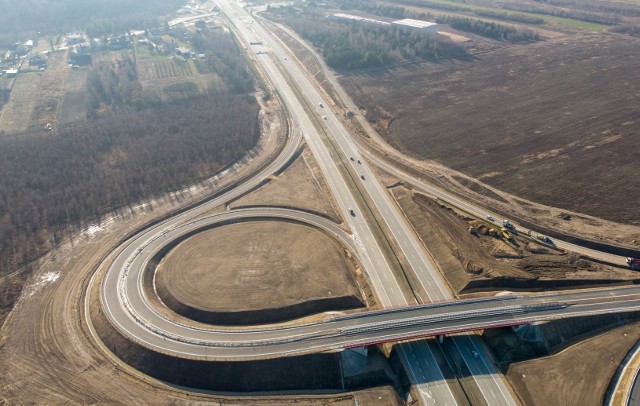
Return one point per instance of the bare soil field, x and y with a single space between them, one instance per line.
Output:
51 90
578 375
553 122
557 220
258 272
301 186
477 261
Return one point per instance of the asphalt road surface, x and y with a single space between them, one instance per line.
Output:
126 305
418 358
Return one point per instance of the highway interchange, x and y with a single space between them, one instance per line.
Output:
123 296
126 304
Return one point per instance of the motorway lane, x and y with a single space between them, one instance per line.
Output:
376 266
494 390
481 213
163 227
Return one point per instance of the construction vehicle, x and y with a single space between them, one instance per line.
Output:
504 232
506 224
634 263
545 239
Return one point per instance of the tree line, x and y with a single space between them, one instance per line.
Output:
25 18
351 46
593 17
488 29
401 12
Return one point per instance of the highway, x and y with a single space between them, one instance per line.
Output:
123 299
418 358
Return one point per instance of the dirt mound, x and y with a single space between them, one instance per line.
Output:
475 255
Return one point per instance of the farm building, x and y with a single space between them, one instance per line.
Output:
184 52
417 25
75 39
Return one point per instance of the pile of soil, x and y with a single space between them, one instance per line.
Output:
472 259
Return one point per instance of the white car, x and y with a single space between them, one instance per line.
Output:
324 117
490 218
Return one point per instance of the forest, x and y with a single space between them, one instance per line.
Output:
20 20
349 46
489 29
131 149
60 181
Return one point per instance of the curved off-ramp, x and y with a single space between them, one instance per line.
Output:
129 310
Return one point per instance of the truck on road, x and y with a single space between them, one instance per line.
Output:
545 239
506 224
634 263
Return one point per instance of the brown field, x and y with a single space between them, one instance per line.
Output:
74 104
257 265
301 185
554 122
578 375
481 262
50 92
39 98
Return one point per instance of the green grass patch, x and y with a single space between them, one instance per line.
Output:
569 22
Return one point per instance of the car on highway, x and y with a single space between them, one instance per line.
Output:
324 117
351 158
490 217
475 354
359 162
353 213
321 105
362 177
